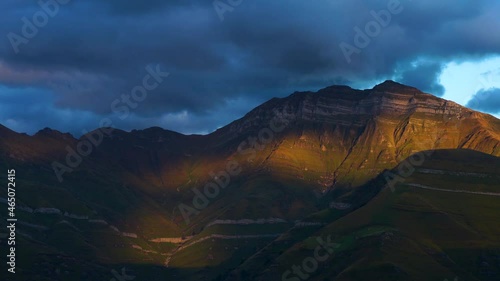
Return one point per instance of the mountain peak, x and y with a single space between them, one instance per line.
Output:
48 132
4 131
337 88
392 86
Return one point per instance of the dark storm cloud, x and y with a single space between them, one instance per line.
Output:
486 100
90 53
424 76
29 110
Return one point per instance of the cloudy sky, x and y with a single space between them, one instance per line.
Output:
68 64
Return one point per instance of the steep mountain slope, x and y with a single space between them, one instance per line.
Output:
440 223
366 131
335 139
234 201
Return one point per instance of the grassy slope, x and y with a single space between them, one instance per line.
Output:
416 234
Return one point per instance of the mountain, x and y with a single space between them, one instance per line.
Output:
378 170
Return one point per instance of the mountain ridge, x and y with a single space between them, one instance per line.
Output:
370 129
387 86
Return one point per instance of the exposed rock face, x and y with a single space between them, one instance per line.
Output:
338 130
333 104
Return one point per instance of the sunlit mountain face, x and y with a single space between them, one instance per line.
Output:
250 140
